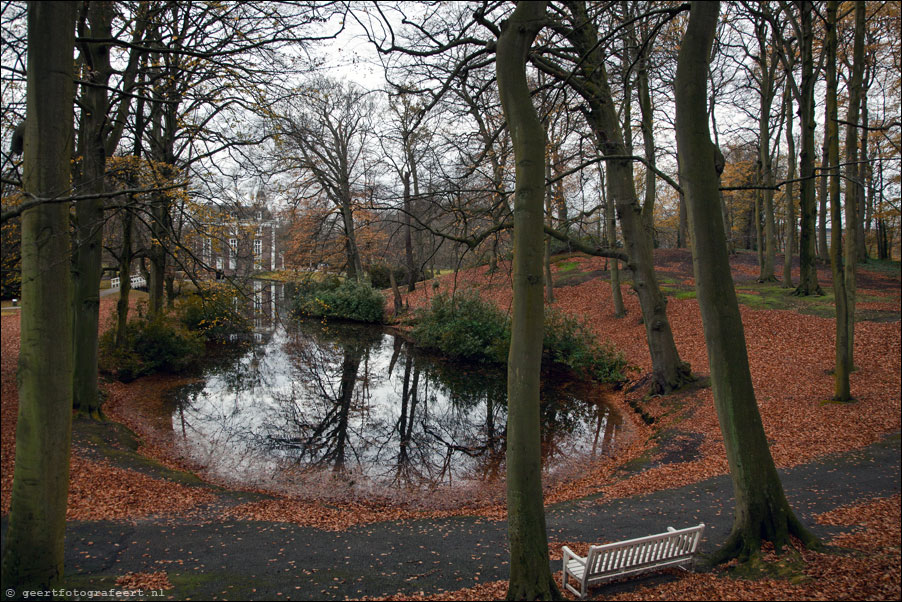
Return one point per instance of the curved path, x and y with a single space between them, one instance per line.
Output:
269 561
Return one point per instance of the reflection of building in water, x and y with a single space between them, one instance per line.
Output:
265 298
261 304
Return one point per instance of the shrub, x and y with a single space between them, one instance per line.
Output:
158 345
468 327
333 298
463 326
212 310
379 275
570 342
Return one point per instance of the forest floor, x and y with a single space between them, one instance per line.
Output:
141 517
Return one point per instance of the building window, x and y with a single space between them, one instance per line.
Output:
208 250
233 252
258 253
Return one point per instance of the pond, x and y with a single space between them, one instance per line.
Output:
336 410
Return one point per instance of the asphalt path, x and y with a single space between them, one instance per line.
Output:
246 560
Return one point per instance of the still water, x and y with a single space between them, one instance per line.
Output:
339 410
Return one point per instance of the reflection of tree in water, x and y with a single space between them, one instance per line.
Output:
316 412
412 422
355 401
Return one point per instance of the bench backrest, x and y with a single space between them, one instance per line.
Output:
643 551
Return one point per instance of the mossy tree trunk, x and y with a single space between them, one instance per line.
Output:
762 512
530 574
33 554
95 58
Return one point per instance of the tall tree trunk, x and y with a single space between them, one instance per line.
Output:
823 251
648 138
352 253
157 254
789 190
864 169
159 209
408 236
669 372
125 281
854 171
768 253
843 368
610 242
530 574
808 271
683 228
89 213
756 215
866 207
33 554
549 205
762 511
126 255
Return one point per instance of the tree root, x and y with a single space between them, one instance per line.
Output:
744 544
661 385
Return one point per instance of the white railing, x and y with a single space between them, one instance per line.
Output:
137 282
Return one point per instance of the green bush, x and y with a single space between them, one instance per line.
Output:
333 298
158 345
569 342
212 311
463 326
468 327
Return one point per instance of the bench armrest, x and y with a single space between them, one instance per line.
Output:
568 553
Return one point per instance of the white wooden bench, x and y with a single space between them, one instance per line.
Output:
613 560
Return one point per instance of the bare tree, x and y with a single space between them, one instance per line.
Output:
324 134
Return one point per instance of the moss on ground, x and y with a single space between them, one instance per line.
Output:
789 566
116 443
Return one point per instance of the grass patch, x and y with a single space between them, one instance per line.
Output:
636 465
769 295
882 266
567 266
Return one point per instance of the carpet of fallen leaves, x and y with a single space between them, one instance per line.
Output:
97 489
